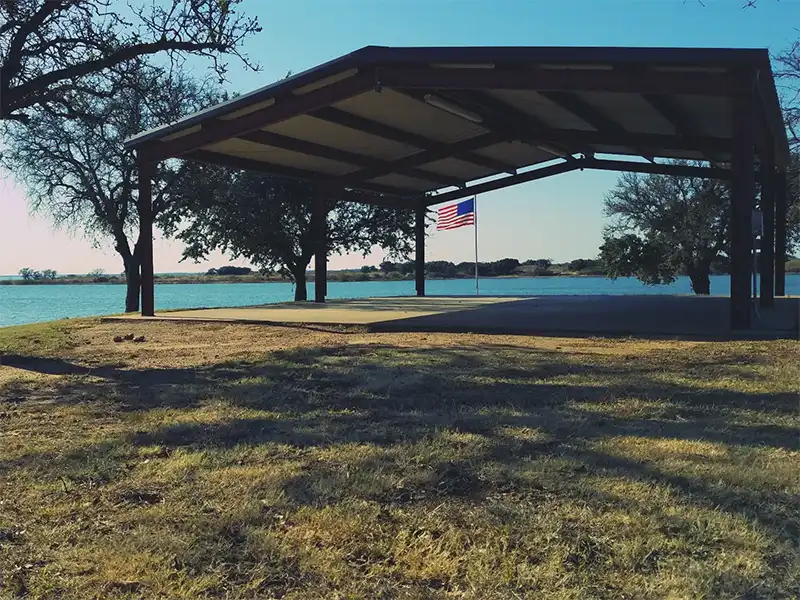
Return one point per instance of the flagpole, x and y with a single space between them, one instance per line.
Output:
475 208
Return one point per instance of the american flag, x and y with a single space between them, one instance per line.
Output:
456 215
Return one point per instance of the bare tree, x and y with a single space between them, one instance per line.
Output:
77 172
48 48
788 75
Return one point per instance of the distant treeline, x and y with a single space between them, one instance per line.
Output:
230 270
387 270
506 267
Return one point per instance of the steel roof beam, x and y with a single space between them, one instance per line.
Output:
376 128
676 116
504 120
420 158
502 110
561 80
358 160
285 107
658 168
503 182
588 113
248 164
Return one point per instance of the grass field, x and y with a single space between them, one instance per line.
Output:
232 461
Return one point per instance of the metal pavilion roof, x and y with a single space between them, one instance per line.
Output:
405 122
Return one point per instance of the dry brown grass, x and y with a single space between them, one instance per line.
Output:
233 461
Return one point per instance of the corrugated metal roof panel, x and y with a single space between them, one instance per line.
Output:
457 168
328 134
538 106
400 111
631 111
278 156
517 153
713 116
405 182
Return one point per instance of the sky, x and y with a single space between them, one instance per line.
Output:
559 218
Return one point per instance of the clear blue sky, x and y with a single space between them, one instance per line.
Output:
559 218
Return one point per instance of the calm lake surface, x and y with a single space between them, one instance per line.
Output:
21 304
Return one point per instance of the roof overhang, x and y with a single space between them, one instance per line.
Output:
408 122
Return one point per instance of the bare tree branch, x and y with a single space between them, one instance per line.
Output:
48 47
77 172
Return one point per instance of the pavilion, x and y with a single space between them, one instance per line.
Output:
411 127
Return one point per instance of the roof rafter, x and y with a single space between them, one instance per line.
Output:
345 119
648 141
358 160
528 131
588 113
502 109
669 109
658 168
505 120
503 182
282 109
675 115
440 152
247 164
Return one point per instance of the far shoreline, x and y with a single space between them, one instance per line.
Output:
333 277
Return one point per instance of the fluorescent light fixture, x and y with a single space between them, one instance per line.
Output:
453 109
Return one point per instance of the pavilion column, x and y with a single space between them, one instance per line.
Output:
145 243
319 228
419 258
780 233
767 259
742 196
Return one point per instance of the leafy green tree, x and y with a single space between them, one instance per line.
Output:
587 266
465 269
440 268
504 266
579 264
388 266
231 270
51 50
407 267
663 226
26 273
77 172
267 220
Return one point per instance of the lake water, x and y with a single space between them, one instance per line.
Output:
32 303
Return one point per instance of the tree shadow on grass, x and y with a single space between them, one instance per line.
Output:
391 398
53 366
415 384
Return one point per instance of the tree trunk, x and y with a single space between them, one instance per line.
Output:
699 274
300 291
134 283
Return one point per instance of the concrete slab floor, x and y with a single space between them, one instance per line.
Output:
692 316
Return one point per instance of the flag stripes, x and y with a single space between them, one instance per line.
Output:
456 215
